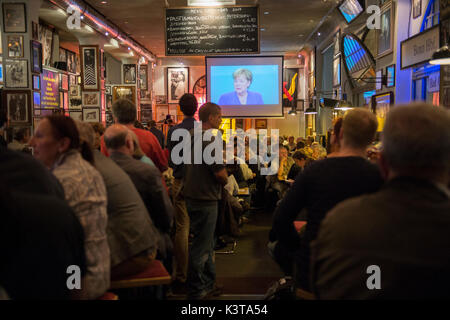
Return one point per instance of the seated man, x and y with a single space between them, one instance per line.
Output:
281 183
300 162
400 231
132 237
148 182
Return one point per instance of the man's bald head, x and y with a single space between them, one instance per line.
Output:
116 137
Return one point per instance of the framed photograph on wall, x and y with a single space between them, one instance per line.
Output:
337 71
385 35
91 114
143 77
75 103
34 30
14 18
62 55
18 106
64 84
75 91
36 56
16 72
107 89
379 76
124 92
90 75
15 46
260 123
129 73
390 74
71 60
417 8
91 99
161 99
177 83
46 38
36 82
36 100
76 115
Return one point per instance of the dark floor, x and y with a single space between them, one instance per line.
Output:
247 273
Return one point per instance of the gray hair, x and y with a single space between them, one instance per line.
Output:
417 137
125 111
243 72
86 132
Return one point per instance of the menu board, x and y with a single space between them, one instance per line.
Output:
208 31
50 89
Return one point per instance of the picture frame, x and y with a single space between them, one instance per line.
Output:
76 115
417 8
129 74
1 72
14 18
65 100
36 82
62 55
46 39
108 102
379 76
36 56
161 99
124 92
260 123
16 73
75 103
72 80
18 107
90 99
36 100
109 119
385 35
64 82
90 71
143 77
107 89
177 83
75 91
71 61
145 95
34 31
15 46
91 114
390 74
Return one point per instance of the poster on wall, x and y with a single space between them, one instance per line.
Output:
386 33
18 106
129 73
90 80
46 39
177 83
124 92
16 72
50 89
290 84
143 77
14 17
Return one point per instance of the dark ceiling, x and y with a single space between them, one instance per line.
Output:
287 24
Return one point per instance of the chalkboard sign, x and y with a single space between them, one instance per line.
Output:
209 31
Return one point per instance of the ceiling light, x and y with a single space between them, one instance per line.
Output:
441 56
61 11
266 12
318 33
88 28
106 33
104 2
82 17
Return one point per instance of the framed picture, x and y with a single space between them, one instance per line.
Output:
14 18
36 100
108 89
71 60
1 72
35 30
76 115
62 55
129 73
46 39
16 72
124 92
145 95
65 100
109 119
36 56
64 82
417 8
72 80
379 76
143 77
390 73
75 91
381 103
90 77
91 99
75 103
91 114
15 46
385 38
18 106
36 82
177 83
260 123
161 99
108 104
61 99
337 71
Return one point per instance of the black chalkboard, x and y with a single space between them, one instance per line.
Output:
209 31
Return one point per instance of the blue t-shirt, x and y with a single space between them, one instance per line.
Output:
232 99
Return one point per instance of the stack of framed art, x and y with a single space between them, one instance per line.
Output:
90 83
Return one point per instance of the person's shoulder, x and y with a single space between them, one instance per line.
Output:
227 95
254 94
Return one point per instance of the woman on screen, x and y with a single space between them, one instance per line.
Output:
241 96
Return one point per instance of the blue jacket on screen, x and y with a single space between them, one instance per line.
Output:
232 99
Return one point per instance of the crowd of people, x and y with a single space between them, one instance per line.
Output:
110 201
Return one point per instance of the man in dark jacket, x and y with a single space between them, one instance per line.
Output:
158 133
394 244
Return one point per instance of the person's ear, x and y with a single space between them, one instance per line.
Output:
130 144
341 134
63 145
384 166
